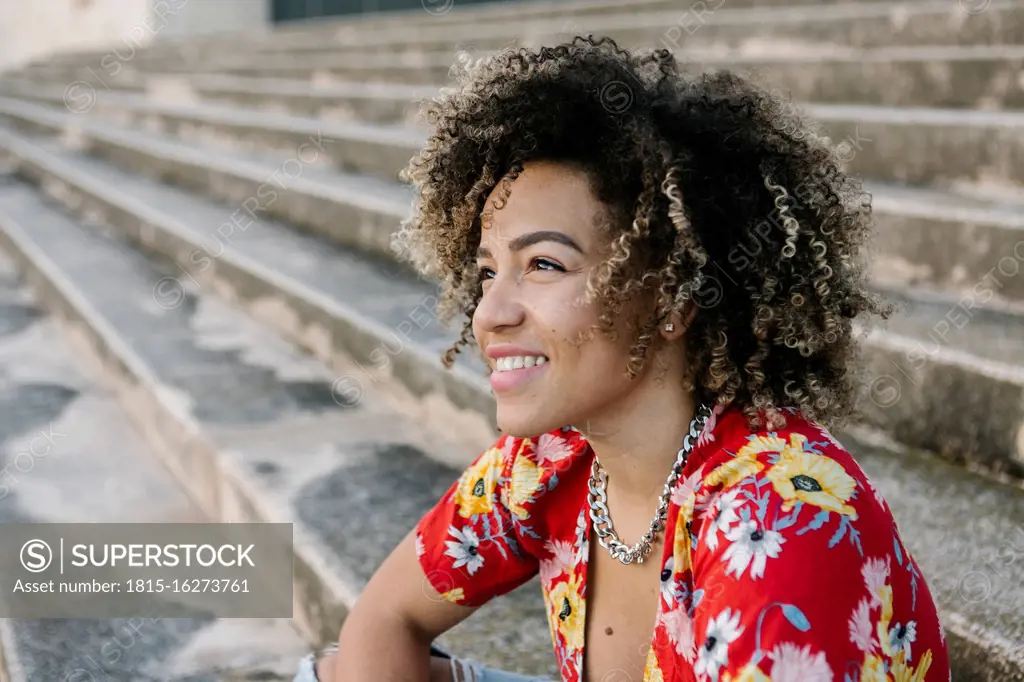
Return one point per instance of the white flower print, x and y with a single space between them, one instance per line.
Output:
723 514
575 660
686 487
707 434
877 494
668 581
420 549
679 628
552 448
751 543
561 560
791 663
582 544
827 435
876 575
722 631
901 637
465 549
702 502
862 630
509 447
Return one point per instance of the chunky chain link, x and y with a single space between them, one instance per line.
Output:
601 517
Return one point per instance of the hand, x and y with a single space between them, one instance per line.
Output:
324 668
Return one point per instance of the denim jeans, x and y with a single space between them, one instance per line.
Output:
464 669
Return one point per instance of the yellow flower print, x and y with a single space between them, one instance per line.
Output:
815 479
758 444
522 485
552 624
454 596
476 485
681 544
652 672
873 669
733 471
566 612
751 673
884 593
901 672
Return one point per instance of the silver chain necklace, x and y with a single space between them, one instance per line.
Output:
600 515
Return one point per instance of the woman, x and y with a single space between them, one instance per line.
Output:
661 273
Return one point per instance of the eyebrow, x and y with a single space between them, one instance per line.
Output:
531 238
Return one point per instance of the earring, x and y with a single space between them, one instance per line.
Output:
669 326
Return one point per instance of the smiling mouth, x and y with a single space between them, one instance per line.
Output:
513 372
511 363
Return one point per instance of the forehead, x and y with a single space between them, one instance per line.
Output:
545 195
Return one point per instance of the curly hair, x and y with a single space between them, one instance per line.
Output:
716 192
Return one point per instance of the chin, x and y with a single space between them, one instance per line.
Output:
523 424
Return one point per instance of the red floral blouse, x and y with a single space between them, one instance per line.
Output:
785 563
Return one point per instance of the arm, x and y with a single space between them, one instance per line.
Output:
387 634
462 553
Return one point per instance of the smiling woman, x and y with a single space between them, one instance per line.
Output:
661 273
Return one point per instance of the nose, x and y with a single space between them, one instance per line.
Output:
501 306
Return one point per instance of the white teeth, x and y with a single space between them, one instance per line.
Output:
511 362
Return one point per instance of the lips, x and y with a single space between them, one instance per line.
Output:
503 380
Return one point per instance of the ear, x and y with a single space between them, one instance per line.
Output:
676 324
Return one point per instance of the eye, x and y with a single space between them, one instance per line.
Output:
549 265
542 264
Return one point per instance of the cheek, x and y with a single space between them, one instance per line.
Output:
563 316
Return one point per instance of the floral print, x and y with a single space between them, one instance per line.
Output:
781 561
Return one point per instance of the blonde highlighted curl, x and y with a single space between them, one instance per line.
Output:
718 195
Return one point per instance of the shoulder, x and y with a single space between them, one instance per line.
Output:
802 462
793 543
796 486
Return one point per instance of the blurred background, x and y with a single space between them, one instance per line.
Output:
201 319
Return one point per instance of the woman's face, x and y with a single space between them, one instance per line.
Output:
535 255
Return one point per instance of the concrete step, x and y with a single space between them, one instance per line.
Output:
350 309
68 455
924 146
387 103
946 238
440 16
367 321
378 149
861 24
932 147
350 209
945 374
973 77
919 229
261 431
949 240
986 77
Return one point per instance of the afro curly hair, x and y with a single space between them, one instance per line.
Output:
718 192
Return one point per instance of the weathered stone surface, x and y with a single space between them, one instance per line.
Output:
68 455
337 467
260 434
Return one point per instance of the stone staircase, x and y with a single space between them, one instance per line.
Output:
209 232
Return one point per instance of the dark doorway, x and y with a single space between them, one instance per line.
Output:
293 10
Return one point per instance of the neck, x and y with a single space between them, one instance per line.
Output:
638 440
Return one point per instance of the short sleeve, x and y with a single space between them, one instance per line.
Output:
469 543
799 571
